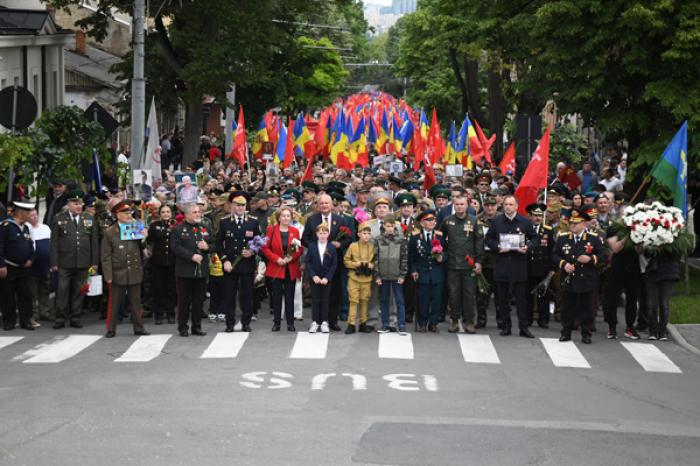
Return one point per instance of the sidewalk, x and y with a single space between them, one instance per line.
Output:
688 335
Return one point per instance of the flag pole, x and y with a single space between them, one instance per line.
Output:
639 190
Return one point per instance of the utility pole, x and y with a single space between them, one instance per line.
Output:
138 87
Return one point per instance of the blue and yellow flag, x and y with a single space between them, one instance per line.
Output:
672 169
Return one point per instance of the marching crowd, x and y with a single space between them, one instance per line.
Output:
346 243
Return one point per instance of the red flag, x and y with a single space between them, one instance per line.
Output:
240 147
436 147
570 178
320 136
289 148
535 177
508 161
485 144
309 172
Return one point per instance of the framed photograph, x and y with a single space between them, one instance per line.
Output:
396 167
143 184
455 170
187 190
131 231
510 241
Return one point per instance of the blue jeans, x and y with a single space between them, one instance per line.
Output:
385 291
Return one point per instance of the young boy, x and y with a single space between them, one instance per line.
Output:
359 260
321 262
391 267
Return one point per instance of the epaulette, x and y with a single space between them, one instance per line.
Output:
415 232
252 217
438 232
546 227
4 223
592 233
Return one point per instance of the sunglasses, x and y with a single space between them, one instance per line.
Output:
429 219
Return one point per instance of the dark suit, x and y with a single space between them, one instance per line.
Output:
336 222
431 276
323 268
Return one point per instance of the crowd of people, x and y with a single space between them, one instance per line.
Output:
350 246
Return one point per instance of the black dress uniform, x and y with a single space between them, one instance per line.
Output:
16 252
233 237
163 269
483 299
190 276
510 270
578 286
539 267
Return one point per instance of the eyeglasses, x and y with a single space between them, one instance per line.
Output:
429 219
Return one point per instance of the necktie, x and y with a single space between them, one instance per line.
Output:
238 221
75 220
327 221
428 237
576 238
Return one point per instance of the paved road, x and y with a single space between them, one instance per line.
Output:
283 398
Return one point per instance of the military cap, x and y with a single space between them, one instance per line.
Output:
274 191
90 200
578 216
362 189
309 186
289 200
336 196
536 209
405 199
442 193
58 181
380 201
426 213
75 195
484 177
364 226
24 205
558 188
395 180
293 192
121 206
434 189
490 200
590 210
239 197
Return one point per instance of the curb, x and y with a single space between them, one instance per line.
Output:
678 338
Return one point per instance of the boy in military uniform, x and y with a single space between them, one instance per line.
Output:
359 260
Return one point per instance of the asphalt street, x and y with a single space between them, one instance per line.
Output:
283 398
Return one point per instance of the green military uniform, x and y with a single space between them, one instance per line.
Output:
464 238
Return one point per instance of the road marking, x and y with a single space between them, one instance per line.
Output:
225 345
478 348
564 353
59 350
395 346
7 341
145 349
310 346
651 358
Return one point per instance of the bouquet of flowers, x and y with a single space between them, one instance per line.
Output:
343 232
360 215
481 284
654 227
435 249
294 246
254 246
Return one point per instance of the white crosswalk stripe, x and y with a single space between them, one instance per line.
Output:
58 350
225 345
145 349
564 353
7 341
651 358
395 346
478 348
310 346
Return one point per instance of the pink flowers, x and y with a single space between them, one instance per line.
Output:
436 248
360 215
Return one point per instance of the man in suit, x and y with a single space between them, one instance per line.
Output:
231 242
74 249
56 200
577 253
427 270
539 259
341 237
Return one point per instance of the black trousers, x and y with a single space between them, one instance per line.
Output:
503 304
320 295
409 295
217 295
642 304
616 283
239 285
16 292
190 301
163 290
335 297
535 302
283 288
576 310
69 299
483 299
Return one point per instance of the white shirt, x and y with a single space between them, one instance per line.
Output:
613 184
322 249
326 219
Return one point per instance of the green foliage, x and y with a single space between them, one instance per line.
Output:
15 151
566 145
684 302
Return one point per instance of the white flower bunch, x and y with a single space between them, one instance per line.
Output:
653 225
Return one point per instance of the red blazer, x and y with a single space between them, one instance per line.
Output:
273 251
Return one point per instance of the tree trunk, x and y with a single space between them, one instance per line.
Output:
497 109
471 68
460 81
193 129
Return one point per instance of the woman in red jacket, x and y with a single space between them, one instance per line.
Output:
282 251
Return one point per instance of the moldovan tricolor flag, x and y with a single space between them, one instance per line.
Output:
535 177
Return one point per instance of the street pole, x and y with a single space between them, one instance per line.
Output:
230 118
138 87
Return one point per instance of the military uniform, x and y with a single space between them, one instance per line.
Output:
578 286
482 299
16 250
162 269
74 248
464 238
191 277
408 225
539 258
233 237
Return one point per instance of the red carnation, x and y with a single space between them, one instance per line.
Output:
470 260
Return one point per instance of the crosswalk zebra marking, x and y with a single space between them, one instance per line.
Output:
310 346
58 350
225 345
564 353
651 358
145 349
7 341
478 349
395 346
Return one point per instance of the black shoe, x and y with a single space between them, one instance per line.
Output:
364 328
350 330
565 338
229 329
276 327
505 332
159 322
27 327
422 329
290 328
586 339
184 333
58 325
246 328
76 324
480 325
409 319
7 328
432 328
141 332
110 334
543 324
171 320
199 332
526 333
335 327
